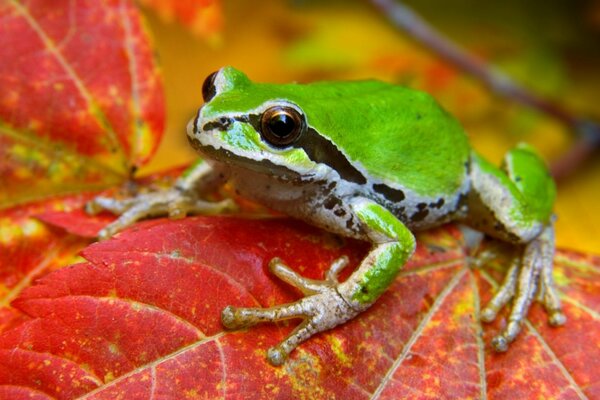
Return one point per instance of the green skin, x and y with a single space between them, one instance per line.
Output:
368 160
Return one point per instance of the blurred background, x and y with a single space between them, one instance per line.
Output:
551 48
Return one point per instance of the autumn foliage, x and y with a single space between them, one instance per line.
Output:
138 316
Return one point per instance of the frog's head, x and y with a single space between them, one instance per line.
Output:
257 126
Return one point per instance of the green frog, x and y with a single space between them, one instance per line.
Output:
367 160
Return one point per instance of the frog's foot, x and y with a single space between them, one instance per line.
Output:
527 276
174 202
322 308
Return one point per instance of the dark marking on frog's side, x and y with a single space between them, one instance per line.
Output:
399 212
395 195
331 202
322 184
437 204
353 225
350 224
339 212
402 213
422 212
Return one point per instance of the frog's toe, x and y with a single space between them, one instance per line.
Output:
278 354
199 206
504 294
524 289
102 203
499 344
527 277
305 285
501 341
548 296
127 218
236 318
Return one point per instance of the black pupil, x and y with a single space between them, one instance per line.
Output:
282 125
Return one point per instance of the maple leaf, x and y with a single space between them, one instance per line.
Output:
81 102
141 317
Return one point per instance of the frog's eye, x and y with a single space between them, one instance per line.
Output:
208 87
281 126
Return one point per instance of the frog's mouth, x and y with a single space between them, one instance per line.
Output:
230 159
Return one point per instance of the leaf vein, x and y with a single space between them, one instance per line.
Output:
154 363
419 330
479 339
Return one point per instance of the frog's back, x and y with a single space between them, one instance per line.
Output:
395 135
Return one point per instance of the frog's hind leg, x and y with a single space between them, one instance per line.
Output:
514 204
316 309
328 303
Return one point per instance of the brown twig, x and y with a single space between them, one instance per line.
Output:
588 132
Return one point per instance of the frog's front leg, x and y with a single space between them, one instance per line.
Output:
176 201
514 204
329 303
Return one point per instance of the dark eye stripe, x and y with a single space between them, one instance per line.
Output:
319 149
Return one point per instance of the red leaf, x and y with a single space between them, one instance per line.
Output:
30 249
81 100
141 319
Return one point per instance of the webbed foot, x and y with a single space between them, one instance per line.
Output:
322 308
527 276
174 202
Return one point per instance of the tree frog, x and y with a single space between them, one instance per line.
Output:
368 160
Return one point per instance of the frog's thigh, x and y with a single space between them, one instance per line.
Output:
513 203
